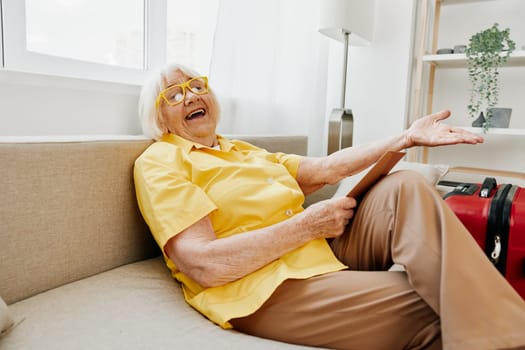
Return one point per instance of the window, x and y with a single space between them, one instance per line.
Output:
116 40
89 30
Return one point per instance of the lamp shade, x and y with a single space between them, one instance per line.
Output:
355 17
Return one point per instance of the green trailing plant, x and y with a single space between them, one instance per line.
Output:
486 52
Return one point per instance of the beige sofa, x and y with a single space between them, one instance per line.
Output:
78 267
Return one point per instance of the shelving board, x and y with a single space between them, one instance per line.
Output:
455 2
496 131
459 60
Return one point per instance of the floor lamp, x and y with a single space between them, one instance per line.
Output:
352 23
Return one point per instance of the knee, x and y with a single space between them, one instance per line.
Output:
406 182
407 177
402 185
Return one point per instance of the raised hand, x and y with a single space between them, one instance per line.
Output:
429 131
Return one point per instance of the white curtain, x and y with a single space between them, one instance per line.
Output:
269 69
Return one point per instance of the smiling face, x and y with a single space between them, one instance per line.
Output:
195 118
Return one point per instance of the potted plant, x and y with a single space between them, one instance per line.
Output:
486 52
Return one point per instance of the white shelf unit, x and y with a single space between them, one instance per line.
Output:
427 65
496 131
455 2
459 60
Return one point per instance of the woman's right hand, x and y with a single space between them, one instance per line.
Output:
328 218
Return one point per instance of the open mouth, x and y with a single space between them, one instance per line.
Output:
196 114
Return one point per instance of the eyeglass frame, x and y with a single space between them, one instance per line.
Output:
183 86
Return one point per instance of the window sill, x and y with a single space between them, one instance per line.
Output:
19 77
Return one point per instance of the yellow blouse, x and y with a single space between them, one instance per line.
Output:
242 188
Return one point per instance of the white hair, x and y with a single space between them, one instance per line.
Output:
149 114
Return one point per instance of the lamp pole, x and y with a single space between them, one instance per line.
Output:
345 67
345 20
341 121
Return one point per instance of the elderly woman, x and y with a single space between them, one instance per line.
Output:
229 219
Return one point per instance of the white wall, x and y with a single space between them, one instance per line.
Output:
379 91
33 104
378 75
376 92
458 23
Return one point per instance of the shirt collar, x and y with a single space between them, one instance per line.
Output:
188 145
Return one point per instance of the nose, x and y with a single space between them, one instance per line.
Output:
190 97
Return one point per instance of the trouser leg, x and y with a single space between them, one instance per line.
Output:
402 219
347 310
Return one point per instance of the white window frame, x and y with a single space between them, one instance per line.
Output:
1 38
16 56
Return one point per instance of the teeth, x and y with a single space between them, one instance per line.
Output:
194 113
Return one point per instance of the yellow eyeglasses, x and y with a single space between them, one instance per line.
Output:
173 95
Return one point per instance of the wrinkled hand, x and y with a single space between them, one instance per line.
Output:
429 131
328 218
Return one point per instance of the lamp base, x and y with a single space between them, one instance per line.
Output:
340 129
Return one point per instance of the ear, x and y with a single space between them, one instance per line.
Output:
160 122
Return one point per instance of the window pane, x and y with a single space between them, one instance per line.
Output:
100 31
190 29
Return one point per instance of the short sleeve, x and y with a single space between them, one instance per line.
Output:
290 161
168 200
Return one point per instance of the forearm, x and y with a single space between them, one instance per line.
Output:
214 261
427 131
314 173
242 254
351 160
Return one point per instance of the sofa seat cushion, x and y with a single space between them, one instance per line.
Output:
136 306
6 320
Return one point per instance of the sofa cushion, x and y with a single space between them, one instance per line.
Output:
68 211
136 306
6 320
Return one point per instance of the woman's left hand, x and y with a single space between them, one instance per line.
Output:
429 131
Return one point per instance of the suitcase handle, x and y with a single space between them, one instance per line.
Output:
487 186
497 250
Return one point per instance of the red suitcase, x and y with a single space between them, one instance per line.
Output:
495 216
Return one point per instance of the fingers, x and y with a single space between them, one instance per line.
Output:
453 135
347 202
441 115
467 136
330 217
348 205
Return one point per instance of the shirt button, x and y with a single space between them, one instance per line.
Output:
289 212
269 180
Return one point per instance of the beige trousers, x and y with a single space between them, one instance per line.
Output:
450 296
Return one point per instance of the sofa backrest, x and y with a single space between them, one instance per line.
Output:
68 209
